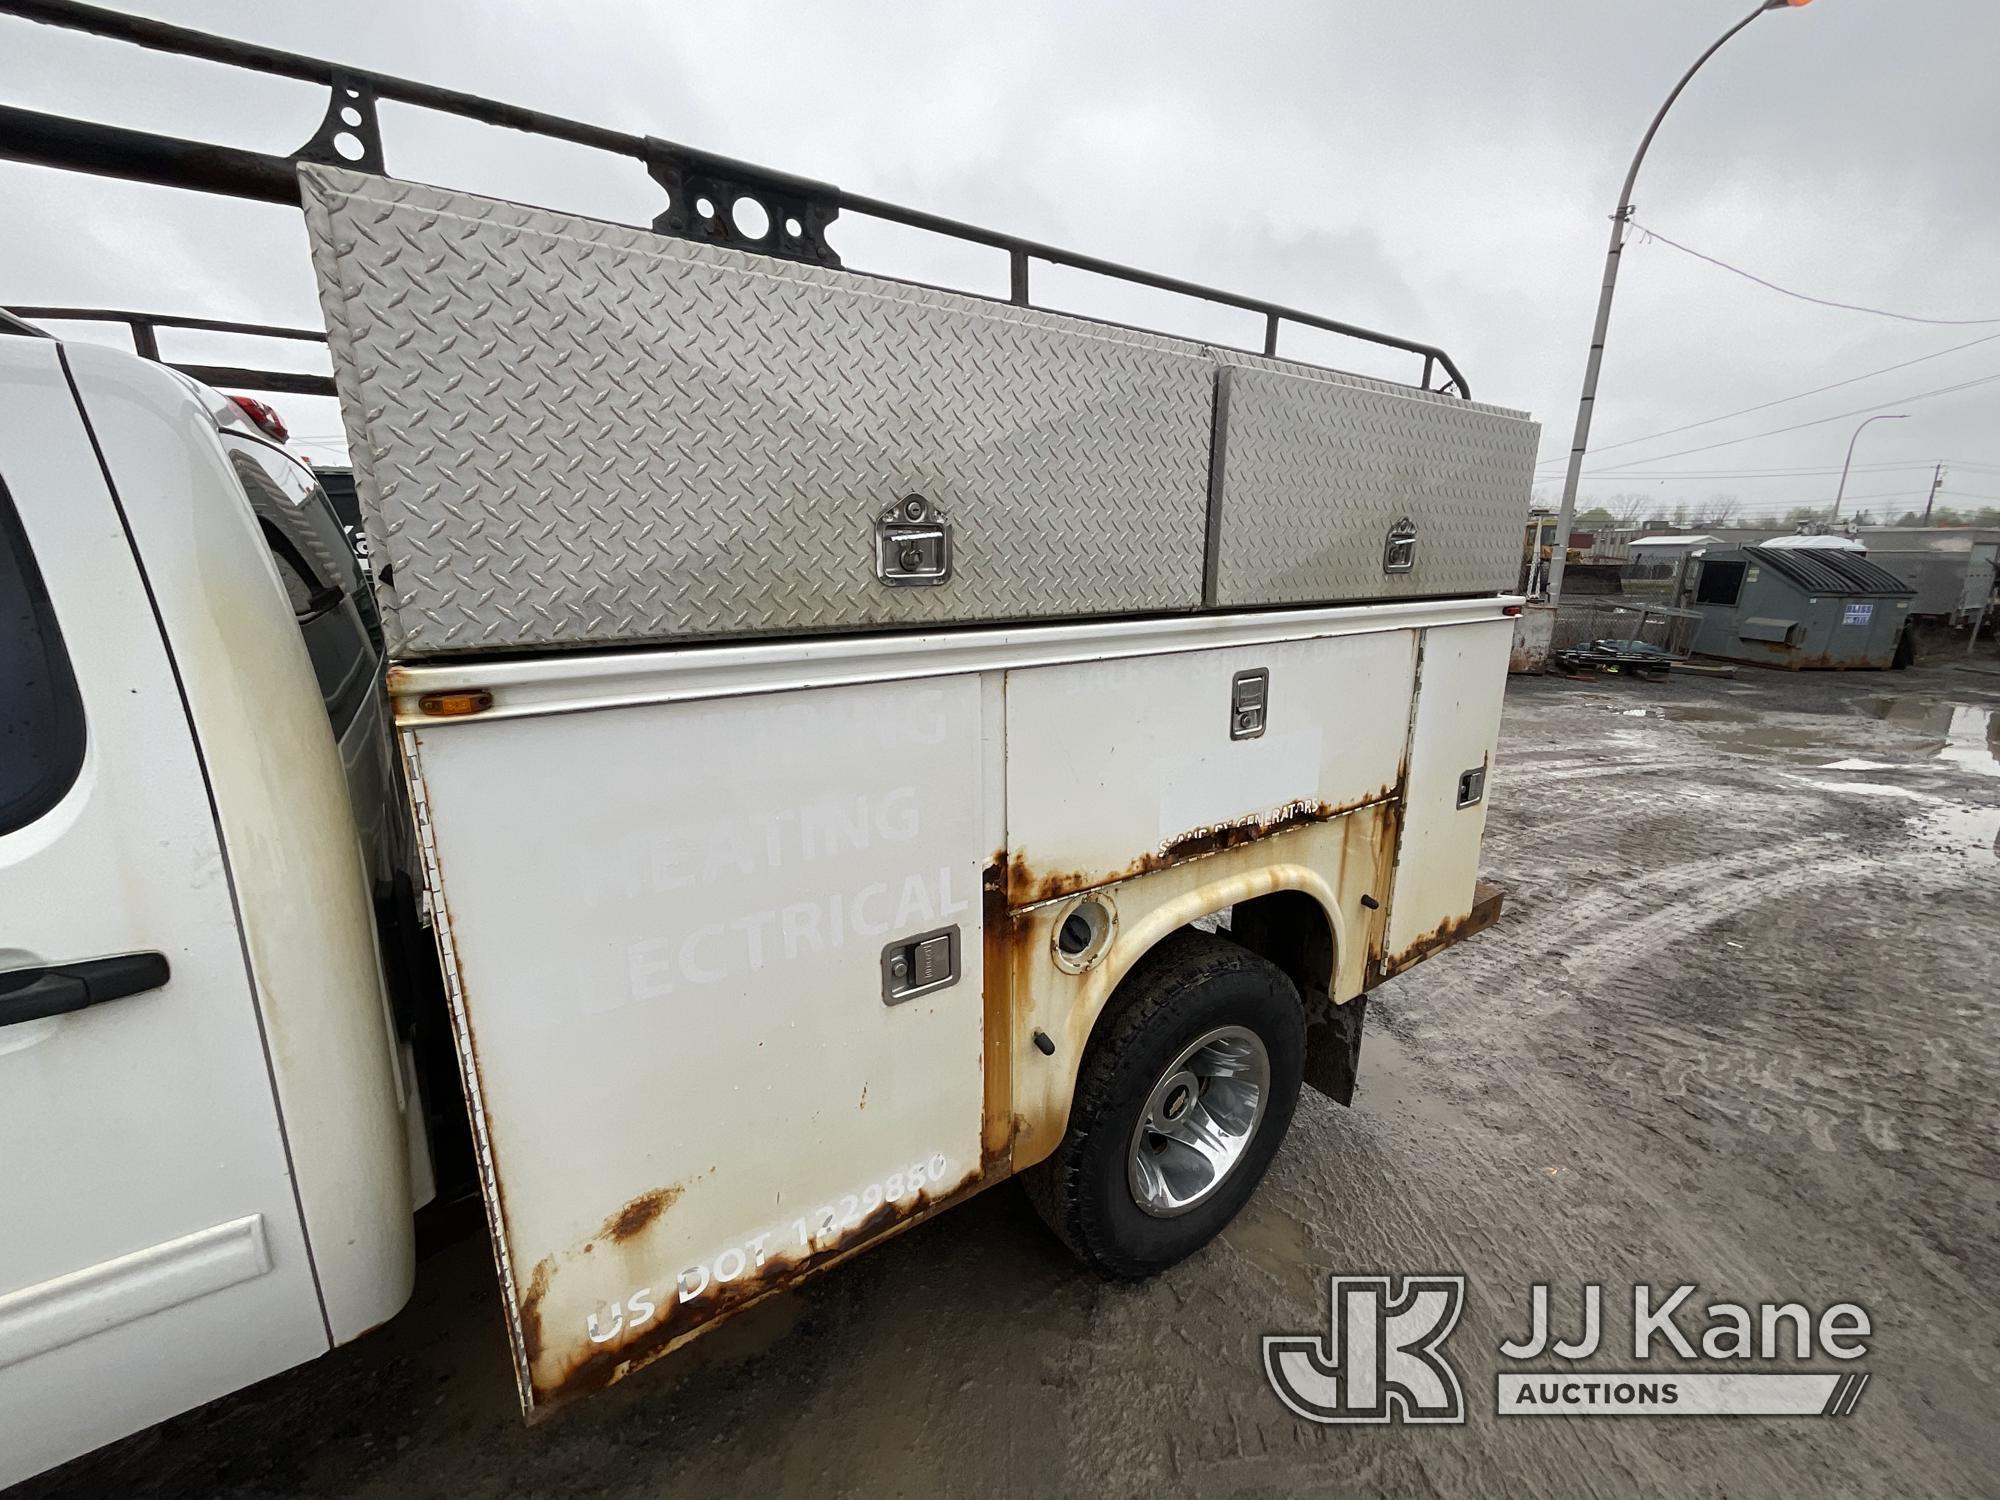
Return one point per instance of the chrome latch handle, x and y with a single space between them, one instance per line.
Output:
914 966
913 545
1399 551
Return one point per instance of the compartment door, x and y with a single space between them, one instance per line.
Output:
1331 486
675 932
747 421
1118 767
1460 682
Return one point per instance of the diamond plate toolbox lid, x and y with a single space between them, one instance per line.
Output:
571 433
1337 487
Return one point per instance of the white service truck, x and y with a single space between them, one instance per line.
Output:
812 747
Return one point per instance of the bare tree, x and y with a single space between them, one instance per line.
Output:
1722 509
1628 509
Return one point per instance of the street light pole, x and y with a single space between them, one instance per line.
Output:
1885 416
1619 220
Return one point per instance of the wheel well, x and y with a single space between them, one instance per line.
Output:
1291 930
1287 928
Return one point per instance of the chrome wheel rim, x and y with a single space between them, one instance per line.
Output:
1198 1121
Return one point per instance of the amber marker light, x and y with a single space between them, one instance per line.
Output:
455 705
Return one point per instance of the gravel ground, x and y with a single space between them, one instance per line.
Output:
1737 1027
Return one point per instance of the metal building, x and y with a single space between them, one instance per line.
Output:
1796 608
1951 568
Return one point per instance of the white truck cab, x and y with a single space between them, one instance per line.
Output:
803 749
207 1176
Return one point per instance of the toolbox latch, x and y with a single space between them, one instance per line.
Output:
917 965
1399 552
1249 700
913 545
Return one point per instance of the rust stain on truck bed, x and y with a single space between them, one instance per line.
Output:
1487 900
1000 935
639 1213
1027 989
1027 887
563 1368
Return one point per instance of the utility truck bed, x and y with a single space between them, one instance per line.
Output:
751 942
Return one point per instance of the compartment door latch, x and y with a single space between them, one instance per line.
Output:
1399 551
913 545
1249 699
914 966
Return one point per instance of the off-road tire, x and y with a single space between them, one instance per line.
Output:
1190 984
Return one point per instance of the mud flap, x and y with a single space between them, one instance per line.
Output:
1333 1047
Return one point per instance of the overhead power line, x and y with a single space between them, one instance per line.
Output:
1943 390
1781 507
1817 390
1764 512
1654 234
1748 476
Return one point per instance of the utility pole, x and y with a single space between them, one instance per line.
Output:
1620 218
1936 480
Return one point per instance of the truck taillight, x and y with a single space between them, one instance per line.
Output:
267 420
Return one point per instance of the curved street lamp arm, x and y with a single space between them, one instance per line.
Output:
1880 416
1646 141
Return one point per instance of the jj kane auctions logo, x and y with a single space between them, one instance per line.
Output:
1382 1357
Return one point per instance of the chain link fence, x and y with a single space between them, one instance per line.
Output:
1580 621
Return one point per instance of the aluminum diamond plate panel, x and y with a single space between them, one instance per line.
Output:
1315 467
568 433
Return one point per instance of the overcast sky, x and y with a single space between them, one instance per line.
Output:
1442 170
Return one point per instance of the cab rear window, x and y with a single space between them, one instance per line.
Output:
41 714
322 577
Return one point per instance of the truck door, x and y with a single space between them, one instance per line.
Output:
151 1254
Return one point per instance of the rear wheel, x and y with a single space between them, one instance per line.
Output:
1181 1102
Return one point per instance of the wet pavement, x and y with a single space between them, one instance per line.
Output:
1738 1027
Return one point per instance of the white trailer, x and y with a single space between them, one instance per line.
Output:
862 742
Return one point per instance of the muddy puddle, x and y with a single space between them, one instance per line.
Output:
1395 1079
1970 732
1964 735
1936 822
1694 713
1276 1242
1953 829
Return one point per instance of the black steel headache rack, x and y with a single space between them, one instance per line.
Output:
710 198
145 330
